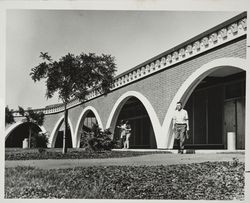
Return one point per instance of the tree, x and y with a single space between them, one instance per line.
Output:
73 77
9 118
31 117
40 140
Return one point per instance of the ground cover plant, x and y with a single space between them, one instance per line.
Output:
31 154
208 180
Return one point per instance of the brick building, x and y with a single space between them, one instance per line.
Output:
207 73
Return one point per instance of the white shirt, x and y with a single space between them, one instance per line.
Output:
123 127
181 117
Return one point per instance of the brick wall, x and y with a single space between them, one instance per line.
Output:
50 121
159 88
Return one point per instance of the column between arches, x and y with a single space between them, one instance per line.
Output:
52 137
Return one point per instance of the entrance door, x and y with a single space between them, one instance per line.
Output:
234 121
240 142
229 119
140 132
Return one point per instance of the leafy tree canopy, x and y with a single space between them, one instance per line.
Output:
9 118
31 116
73 76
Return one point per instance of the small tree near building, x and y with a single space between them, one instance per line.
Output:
9 118
31 117
73 77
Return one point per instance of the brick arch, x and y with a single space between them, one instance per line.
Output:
52 138
113 116
183 93
81 120
17 124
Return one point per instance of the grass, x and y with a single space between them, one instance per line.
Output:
31 154
208 181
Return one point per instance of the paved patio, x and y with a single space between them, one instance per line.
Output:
150 160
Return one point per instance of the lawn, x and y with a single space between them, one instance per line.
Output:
31 154
209 181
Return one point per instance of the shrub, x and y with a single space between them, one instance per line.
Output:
41 150
85 136
97 139
39 140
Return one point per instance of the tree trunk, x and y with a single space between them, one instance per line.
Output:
65 130
29 136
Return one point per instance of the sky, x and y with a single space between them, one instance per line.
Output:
132 37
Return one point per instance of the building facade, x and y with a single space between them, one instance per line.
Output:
207 73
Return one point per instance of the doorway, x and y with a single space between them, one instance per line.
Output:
215 107
234 121
142 133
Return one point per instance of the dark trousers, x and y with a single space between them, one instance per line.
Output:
122 140
180 135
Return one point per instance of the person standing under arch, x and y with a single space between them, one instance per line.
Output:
180 126
128 134
122 127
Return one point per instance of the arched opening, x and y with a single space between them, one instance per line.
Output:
142 133
19 133
57 140
87 119
119 104
223 67
216 106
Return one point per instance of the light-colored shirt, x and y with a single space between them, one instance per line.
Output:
123 127
181 117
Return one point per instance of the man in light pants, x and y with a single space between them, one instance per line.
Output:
180 126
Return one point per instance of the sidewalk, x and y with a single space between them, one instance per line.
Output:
149 160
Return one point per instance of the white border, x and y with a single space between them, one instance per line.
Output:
181 5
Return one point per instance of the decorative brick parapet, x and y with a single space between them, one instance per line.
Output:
212 40
217 36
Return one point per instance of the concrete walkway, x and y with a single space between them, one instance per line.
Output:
149 160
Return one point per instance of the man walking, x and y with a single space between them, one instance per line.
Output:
180 126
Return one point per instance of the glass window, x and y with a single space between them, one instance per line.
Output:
234 90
